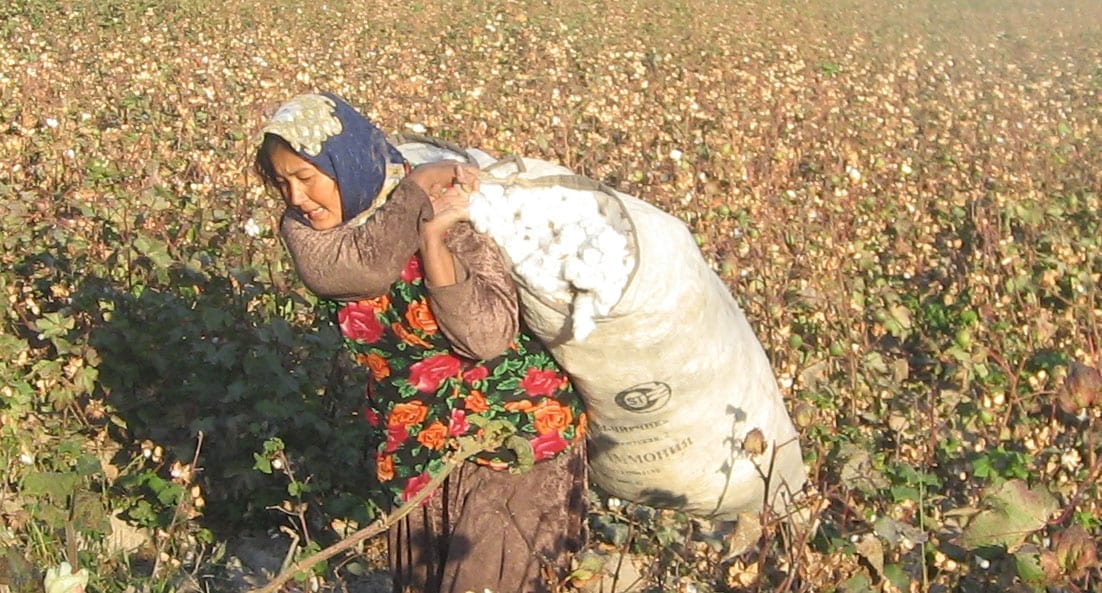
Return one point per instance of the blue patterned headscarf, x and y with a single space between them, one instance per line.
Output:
342 143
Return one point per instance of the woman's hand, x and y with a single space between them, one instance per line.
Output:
447 184
449 206
434 177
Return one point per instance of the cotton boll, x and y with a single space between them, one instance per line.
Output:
534 274
485 211
492 191
561 245
610 242
581 276
591 256
529 218
582 317
481 212
571 236
517 247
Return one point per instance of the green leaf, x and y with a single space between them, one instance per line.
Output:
858 584
88 465
90 514
901 493
982 467
55 485
1014 511
53 325
898 576
155 250
170 494
1028 565
262 463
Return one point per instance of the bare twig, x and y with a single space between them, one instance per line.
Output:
1092 477
374 529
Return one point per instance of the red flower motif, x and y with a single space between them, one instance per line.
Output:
414 485
371 416
538 382
547 445
428 374
458 425
396 434
412 271
477 373
358 322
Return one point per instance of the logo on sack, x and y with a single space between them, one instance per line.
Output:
644 397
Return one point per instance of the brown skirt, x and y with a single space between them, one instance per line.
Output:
486 529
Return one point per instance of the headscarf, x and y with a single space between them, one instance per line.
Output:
329 133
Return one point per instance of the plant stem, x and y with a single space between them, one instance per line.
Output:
376 528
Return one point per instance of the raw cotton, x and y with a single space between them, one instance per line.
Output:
560 244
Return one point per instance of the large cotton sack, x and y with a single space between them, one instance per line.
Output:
673 378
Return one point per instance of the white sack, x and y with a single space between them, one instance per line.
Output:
673 377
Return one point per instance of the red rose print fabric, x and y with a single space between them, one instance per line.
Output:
422 396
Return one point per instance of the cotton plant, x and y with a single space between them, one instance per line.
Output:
561 245
62 579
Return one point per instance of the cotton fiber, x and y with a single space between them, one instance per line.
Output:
560 244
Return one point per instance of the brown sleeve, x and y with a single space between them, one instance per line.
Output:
358 261
479 314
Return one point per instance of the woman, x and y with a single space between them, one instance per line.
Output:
427 305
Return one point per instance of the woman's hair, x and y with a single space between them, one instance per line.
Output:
262 162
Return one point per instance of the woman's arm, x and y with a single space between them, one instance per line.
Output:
470 290
479 312
352 262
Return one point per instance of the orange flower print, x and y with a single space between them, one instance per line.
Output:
519 406
475 402
384 467
494 464
378 365
552 416
434 436
407 414
408 336
420 317
380 303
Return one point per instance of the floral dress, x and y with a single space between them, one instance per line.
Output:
422 397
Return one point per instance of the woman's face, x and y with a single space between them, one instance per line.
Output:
305 188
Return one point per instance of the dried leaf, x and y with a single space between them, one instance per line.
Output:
1076 552
894 531
745 536
870 548
1082 389
754 443
858 471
